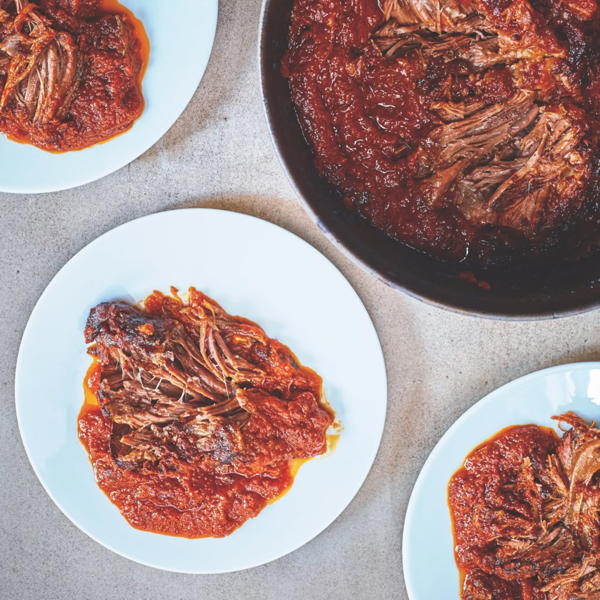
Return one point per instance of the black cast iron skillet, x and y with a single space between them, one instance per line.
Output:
526 293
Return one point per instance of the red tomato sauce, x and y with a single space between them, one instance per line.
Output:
97 50
373 121
481 503
194 502
197 496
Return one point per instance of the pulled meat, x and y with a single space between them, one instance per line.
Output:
526 514
70 72
467 128
190 394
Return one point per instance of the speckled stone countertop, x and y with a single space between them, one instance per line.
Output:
219 154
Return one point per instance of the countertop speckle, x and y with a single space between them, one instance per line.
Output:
219 154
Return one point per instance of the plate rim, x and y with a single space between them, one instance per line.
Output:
29 186
409 521
18 378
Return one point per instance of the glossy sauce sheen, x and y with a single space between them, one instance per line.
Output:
368 119
197 498
477 491
114 52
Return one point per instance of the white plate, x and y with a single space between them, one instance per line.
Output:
430 572
181 34
254 269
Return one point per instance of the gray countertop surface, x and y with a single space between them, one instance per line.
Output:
219 154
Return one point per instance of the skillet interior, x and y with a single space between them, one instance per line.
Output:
519 293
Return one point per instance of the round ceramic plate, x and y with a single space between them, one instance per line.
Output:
253 269
176 29
430 572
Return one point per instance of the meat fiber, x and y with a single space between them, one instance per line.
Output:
182 381
195 419
69 72
526 513
450 124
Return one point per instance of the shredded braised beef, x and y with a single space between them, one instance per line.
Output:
197 415
502 162
466 128
173 387
526 513
69 72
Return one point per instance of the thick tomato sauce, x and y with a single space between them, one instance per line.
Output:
479 495
204 493
114 51
368 118
192 502
355 125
